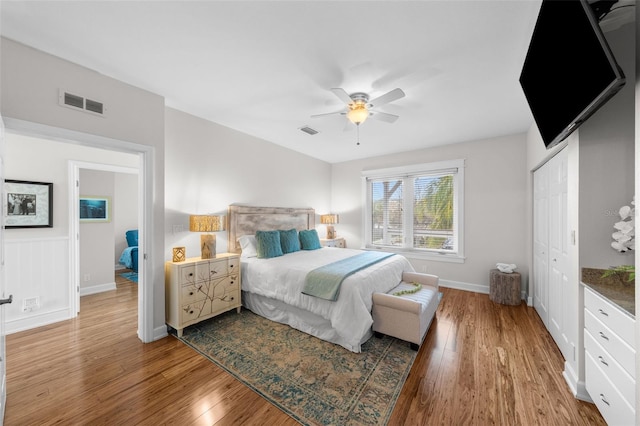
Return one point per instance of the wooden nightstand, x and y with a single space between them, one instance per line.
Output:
334 242
198 289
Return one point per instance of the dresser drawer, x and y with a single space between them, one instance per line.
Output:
195 310
193 292
211 269
624 354
187 274
624 382
612 406
610 315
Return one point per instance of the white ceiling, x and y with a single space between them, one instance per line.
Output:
264 67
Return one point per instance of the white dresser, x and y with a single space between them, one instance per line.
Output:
610 358
198 289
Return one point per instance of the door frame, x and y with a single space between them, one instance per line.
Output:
145 215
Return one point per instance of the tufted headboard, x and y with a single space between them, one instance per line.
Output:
246 220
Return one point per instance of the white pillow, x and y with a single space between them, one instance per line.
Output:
248 245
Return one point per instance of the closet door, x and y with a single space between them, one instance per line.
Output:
541 243
550 247
558 250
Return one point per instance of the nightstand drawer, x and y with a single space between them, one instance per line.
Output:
611 342
610 316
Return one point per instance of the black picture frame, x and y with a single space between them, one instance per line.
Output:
28 204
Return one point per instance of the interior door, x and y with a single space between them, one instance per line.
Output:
541 243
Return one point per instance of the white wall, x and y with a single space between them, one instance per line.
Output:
29 85
494 206
209 166
607 162
97 238
125 210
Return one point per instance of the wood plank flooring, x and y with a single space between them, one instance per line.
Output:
482 363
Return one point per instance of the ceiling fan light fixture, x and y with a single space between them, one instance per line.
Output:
358 113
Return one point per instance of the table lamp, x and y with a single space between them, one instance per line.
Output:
329 220
207 223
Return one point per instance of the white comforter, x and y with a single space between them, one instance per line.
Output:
282 278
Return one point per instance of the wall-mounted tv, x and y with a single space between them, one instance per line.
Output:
569 71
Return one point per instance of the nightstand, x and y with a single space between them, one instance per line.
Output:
333 242
198 289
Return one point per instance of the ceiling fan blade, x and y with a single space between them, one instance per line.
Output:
344 96
327 113
383 116
387 97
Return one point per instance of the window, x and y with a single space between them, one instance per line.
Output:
416 210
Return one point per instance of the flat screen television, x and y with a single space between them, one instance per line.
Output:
569 71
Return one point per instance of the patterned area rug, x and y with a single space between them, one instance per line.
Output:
315 382
131 276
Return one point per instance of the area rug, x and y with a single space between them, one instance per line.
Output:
131 276
315 382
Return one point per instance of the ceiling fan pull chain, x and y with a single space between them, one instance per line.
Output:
358 132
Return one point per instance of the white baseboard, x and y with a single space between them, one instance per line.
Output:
160 332
37 320
459 285
84 291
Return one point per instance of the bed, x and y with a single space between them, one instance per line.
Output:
272 287
129 256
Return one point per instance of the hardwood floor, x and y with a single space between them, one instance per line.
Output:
481 363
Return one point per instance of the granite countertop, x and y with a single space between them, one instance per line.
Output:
614 288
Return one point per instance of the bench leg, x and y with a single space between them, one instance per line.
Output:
414 346
377 334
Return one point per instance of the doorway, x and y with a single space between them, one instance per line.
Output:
144 155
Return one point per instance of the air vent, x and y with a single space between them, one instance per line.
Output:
93 106
308 130
71 100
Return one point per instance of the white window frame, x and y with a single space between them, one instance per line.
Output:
404 171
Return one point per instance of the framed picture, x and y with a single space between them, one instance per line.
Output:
95 209
28 204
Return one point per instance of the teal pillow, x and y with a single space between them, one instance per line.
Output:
289 241
309 239
268 243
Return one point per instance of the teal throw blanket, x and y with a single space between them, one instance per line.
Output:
324 282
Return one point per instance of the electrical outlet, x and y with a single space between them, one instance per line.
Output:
178 228
30 304
87 277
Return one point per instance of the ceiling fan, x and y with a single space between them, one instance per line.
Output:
359 107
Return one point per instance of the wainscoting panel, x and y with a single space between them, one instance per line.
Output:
37 275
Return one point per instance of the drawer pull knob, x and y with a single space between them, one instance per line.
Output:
190 274
190 293
230 266
603 312
191 312
602 361
604 399
603 336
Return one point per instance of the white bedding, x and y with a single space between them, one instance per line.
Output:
282 278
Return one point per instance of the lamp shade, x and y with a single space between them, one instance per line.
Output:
328 219
206 223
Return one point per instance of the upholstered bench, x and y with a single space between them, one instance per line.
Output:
409 315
